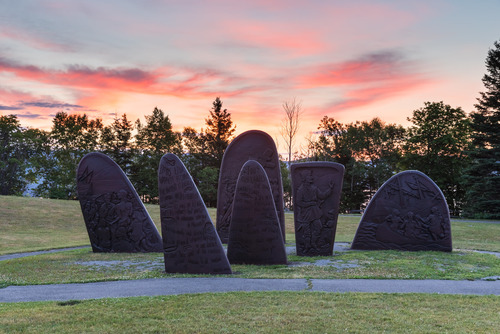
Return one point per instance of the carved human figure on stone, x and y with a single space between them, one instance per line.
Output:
412 225
409 212
434 223
327 229
90 211
308 202
267 159
395 221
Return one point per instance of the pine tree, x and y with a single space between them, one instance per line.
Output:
483 176
218 133
206 149
116 142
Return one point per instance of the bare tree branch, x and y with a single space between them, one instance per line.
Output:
290 124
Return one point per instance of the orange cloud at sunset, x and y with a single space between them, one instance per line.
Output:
351 60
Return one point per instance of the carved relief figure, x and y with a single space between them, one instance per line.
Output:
316 198
308 205
408 212
115 217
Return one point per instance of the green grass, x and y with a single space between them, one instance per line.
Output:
30 224
34 224
259 312
81 266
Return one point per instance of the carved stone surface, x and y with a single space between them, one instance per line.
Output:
115 217
316 188
250 145
409 212
255 234
190 242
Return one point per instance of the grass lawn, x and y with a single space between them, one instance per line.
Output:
34 224
30 224
259 312
80 266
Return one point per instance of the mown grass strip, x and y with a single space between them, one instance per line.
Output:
259 312
81 266
31 224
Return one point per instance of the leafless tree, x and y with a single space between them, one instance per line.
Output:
290 125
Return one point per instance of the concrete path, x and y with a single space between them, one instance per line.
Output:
19 255
176 286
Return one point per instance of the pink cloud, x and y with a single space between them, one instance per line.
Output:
369 68
98 84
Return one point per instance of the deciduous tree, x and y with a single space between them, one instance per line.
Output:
436 146
19 148
71 137
153 140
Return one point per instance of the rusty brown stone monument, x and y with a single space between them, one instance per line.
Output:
255 234
115 217
190 242
250 145
316 188
409 212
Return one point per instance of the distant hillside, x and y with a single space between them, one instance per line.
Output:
30 223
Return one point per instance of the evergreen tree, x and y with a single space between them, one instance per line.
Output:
206 149
116 142
483 176
218 134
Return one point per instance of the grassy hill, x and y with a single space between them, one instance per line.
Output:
30 224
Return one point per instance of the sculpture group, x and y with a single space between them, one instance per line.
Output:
409 212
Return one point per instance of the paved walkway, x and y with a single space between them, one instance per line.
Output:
176 286
19 255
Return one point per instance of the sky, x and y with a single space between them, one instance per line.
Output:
350 60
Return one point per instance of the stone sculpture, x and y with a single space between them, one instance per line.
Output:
190 242
255 234
250 145
115 217
316 188
409 212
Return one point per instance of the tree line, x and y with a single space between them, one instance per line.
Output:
46 161
460 152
